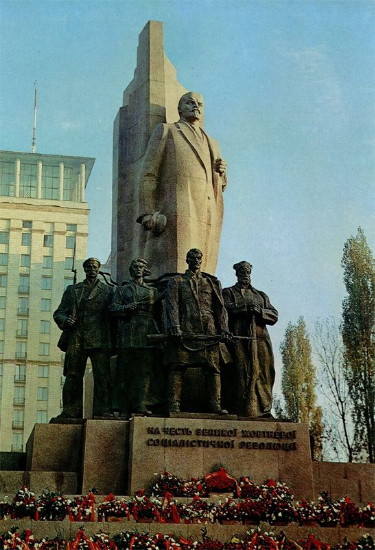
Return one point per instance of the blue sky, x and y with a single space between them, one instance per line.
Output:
289 88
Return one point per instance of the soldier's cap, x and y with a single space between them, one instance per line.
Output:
91 260
238 266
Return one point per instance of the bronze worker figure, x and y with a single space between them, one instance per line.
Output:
194 306
84 318
133 305
250 311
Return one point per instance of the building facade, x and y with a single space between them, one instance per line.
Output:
43 237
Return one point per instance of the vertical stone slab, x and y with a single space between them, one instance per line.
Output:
55 448
105 456
150 98
190 448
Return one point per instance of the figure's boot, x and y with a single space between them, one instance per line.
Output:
213 393
174 391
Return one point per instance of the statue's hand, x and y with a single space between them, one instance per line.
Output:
226 337
155 222
131 307
220 166
175 332
70 321
252 308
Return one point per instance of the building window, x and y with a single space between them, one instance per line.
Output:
24 286
21 350
3 281
20 373
25 260
43 371
27 224
3 258
2 302
22 325
23 306
19 395
50 182
71 227
45 327
7 178
47 262
4 237
2 325
69 263
17 442
45 304
70 241
28 180
26 239
46 283
18 419
42 394
43 348
48 240
41 417
1 346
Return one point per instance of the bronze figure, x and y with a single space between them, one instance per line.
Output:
194 306
250 311
84 318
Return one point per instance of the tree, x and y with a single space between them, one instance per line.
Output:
358 317
333 385
298 381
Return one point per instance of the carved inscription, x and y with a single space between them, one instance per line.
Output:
222 438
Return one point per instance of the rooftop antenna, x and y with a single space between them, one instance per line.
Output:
33 142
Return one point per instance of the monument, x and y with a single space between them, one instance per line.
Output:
120 454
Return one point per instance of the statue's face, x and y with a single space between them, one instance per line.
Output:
194 260
244 275
91 269
191 107
137 269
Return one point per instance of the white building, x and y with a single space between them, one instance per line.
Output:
43 226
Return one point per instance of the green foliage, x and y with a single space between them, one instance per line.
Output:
298 381
358 319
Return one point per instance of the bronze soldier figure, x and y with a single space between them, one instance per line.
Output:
250 311
84 318
194 306
133 305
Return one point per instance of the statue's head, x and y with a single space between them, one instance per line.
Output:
194 259
190 107
91 267
243 272
139 268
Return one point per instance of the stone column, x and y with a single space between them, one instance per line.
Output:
17 171
39 179
61 182
83 181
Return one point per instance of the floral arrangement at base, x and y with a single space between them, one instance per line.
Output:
113 508
251 512
305 512
368 515
227 512
279 502
51 506
5 508
349 513
248 489
82 508
327 511
169 483
144 508
24 504
220 481
198 511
